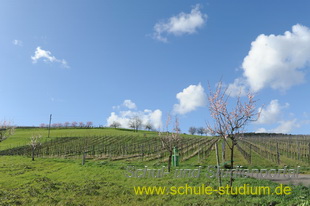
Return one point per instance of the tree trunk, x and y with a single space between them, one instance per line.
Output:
223 151
169 160
83 158
232 161
218 165
32 154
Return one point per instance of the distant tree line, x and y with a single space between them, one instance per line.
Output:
134 123
253 134
198 130
69 124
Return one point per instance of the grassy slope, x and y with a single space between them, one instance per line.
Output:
67 182
22 136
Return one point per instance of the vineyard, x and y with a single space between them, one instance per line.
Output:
87 167
278 149
116 147
130 146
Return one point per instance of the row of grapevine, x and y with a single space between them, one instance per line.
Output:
115 148
247 155
272 148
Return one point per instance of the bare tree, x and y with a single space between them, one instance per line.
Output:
115 124
192 130
229 123
201 130
6 130
135 123
148 126
34 144
206 131
177 129
170 140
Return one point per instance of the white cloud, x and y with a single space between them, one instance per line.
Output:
190 99
47 56
261 130
147 116
285 127
154 118
238 88
277 61
17 42
183 23
272 113
129 104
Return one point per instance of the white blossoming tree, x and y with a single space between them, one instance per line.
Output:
229 121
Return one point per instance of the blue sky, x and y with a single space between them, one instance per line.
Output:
105 61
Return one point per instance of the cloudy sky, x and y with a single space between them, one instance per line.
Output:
105 61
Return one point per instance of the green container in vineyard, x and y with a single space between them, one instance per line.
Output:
175 157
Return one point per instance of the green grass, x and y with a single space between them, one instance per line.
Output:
67 182
59 181
22 135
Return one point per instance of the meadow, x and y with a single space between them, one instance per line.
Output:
58 177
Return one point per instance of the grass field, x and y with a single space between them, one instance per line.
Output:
102 181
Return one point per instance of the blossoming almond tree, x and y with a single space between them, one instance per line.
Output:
6 130
34 144
230 121
89 124
170 140
74 124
